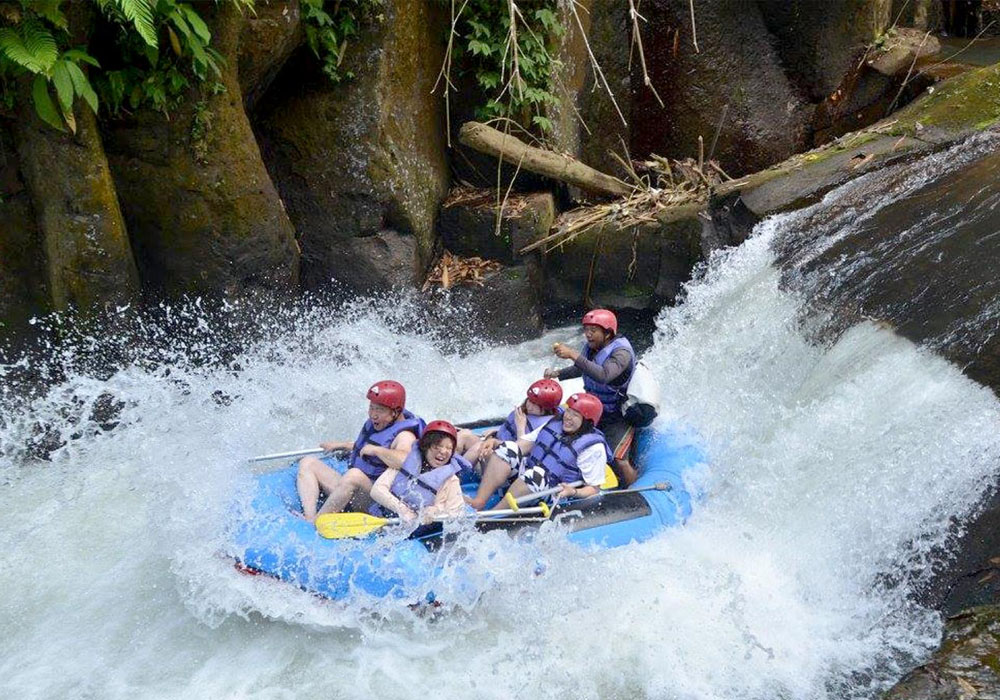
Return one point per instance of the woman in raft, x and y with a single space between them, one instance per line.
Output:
427 482
499 454
567 451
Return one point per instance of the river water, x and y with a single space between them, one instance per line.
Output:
837 473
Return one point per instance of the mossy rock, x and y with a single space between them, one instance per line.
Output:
368 154
201 209
269 36
585 123
468 223
23 291
640 266
735 79
955 108
87 251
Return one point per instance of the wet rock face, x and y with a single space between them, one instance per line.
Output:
636 267
606 26
366 155
202 212
468 224
736 78
268 38
503 309
916 263
818 41
85 245
966 666
22 263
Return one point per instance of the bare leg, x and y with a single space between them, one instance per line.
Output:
495 474
313 476
518 488
626 472
353 480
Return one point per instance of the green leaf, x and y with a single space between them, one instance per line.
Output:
80 56
141 14
33 47
81 85
479 48
64 85
197 24
49 9
44 105
543 123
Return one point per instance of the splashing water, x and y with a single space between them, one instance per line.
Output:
835 474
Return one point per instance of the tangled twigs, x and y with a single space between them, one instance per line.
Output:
452 269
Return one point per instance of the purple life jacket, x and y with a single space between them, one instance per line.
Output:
508 431
612 395
417 489
373 466
556 452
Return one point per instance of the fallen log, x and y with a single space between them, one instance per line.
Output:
558 166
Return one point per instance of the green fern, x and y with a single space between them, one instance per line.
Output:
141 13
30 46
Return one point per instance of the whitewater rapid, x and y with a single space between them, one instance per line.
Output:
834 476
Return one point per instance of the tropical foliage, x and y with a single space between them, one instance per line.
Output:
159 49
330 27
506 47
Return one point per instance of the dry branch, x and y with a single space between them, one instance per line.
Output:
558 166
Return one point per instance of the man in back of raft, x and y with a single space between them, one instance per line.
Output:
606 362
384 442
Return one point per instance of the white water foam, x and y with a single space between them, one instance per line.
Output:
835 473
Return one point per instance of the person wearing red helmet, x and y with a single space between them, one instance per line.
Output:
384 441
606 362
567 450
426 484
499 453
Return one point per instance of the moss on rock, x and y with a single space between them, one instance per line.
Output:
88 256
202 211
953 109
356 158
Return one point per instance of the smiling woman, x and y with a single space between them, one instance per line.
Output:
427 483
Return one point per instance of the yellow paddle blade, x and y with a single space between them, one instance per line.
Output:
544 507
610 480
338 526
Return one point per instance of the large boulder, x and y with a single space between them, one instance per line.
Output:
927 15
268 38
819 41
468 223
734 83
202 212
23 290
87 252
623 265
369 154
586 123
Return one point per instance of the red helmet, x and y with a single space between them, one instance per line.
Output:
603 318
587 405
442 426
546 393
389 394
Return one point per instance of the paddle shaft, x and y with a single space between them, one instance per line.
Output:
482 423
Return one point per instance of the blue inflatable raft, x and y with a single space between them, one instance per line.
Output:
270 539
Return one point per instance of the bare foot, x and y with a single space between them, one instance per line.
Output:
476 503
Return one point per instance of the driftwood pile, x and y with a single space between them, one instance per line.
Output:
452 269
661 190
